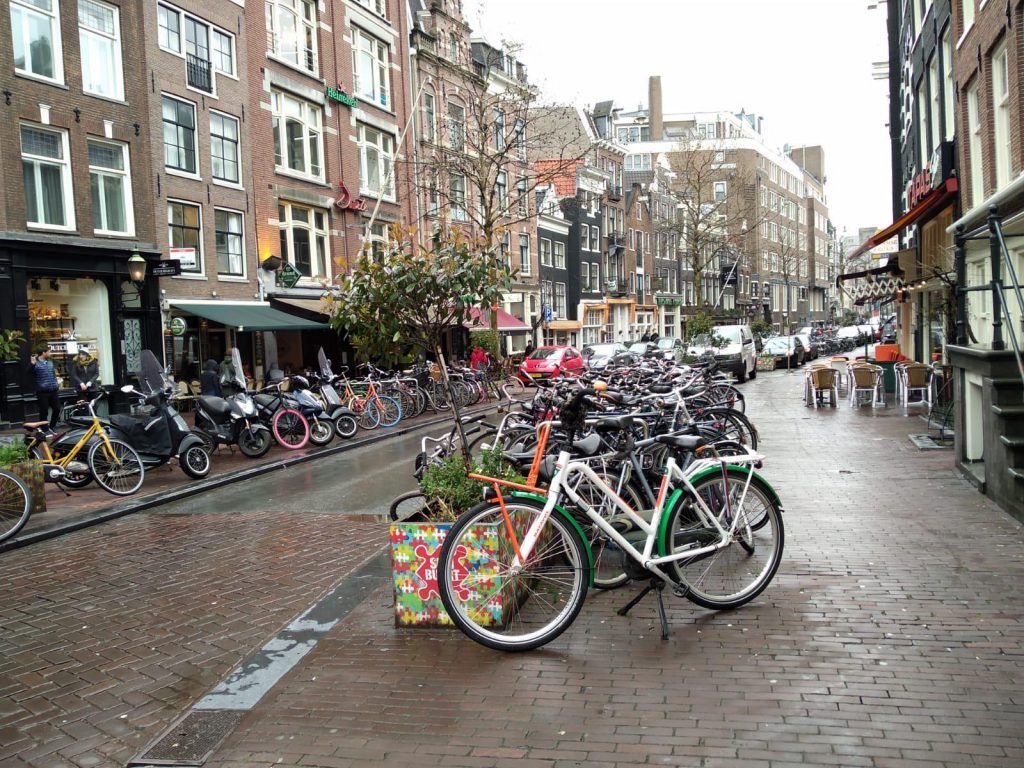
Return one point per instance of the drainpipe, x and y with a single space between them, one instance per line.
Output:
960 264
996 255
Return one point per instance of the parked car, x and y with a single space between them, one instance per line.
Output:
810 344
849 336
788 351
597 356
737 354
550 363
672 349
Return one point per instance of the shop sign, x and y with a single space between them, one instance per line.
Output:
186 257
667 301
339 95
289 276
346 202
178 326
165 268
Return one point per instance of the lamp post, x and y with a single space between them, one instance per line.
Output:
136 267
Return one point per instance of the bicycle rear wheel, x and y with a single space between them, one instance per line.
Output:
290 428
15 504
389 409
498 605
740 571
119 469
366 413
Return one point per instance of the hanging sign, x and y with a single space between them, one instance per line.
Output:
289 276
178 326
186 257
345 201
339 95
165 268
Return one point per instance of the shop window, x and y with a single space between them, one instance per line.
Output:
297 136
179 119
111 188
35 31
230 239
66 315
47 174
185 232
99 36
304 242
224 147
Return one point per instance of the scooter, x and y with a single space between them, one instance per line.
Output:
160 433
344 419
233 420
321 428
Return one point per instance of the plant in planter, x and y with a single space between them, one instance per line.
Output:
416 542
10 345
14 458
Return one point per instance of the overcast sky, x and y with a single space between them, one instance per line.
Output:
805 65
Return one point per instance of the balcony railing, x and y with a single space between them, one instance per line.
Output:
614 193
200 74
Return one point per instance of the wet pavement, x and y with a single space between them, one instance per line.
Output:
891 636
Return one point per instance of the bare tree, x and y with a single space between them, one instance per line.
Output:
792 256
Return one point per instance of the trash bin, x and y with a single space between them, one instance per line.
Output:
888 373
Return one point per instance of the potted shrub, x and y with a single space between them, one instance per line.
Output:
14 458
10 352
416 541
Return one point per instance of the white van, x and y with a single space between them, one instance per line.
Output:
737 355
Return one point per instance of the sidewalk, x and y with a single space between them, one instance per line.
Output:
891 636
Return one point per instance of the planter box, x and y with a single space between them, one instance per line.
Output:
415 548
766 364
32 473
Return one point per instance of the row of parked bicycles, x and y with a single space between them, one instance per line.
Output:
650 473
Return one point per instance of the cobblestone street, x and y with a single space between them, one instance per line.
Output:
891 636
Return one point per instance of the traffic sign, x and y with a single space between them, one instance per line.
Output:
289 276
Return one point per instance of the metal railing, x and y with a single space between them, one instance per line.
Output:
199 73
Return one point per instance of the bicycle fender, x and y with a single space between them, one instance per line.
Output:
568 518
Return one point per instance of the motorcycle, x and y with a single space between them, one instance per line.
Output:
233 420
158 432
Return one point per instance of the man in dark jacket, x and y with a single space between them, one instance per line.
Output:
85 374
210 380
47 387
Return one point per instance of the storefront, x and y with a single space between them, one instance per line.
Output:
67 295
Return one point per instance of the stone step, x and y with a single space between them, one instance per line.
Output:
1008 391
1016 473
1009 411
1013 443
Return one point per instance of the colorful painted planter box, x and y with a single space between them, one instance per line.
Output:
766 363
415 550
32 473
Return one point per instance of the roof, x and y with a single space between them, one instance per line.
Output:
603 108
562 173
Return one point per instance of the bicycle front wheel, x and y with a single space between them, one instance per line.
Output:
118 469
502 606
737 573
15 504
290 428
389 409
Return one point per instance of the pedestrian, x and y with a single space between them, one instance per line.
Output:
209 382
47 386
529 348
478 360
654 338
645 338
227 371
85 374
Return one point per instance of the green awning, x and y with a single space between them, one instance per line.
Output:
247 317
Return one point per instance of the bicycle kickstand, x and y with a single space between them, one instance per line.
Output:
657 587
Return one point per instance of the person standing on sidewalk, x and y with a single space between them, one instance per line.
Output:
85 374
209 382
47 386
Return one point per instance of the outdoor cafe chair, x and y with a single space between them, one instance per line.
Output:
866 379
823 380
841 365
915 378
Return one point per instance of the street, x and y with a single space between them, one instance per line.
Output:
890 637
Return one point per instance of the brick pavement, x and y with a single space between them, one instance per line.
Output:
891 637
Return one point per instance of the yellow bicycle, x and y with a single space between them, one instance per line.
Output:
113 464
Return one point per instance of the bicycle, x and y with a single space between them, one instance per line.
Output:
15 504
513 572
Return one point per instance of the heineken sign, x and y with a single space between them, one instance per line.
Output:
338 95
289 276
668 301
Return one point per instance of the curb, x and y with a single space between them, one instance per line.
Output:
164 497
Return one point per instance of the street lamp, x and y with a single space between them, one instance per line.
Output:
136 267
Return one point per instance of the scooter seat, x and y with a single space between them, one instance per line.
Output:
216 406
264 400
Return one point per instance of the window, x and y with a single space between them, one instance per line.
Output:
967 13
179 135
719 189
453 47
99 36
372 79
520 139
47 174
224 147
501 191
185 230
523 201
638 162
35 29
974 135
429 117
545 252
922 125
110 187
1001 107
584 237
585 275
936 96
292 32
595 276
169 28
297 136
223 52
506 249
457 197
380 7
499 129
775 262
524 254
595 238
559 254
304 239
947 89
376 156
457 126
559 299
230 243
754 288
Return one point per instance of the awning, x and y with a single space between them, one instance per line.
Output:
246 316
506 322
564 325
879 283
928 205
315 306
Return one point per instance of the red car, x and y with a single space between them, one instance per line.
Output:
550 363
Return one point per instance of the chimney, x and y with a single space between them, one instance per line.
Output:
654 107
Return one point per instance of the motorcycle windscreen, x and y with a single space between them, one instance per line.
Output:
236 363
151 374
325 364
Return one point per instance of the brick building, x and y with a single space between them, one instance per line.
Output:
76 202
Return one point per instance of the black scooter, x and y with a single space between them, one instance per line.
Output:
158 432
233 420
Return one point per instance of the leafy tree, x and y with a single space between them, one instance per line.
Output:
404 295
760 328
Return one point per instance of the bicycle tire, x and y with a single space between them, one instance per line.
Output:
607 555
120 472
290 429
389 409
398 510
367 415
15 504
72 480
684 528
560 552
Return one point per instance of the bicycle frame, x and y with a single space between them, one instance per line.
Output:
95 428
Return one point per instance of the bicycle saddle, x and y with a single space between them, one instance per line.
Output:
683 442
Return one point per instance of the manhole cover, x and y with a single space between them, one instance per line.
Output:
191 740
